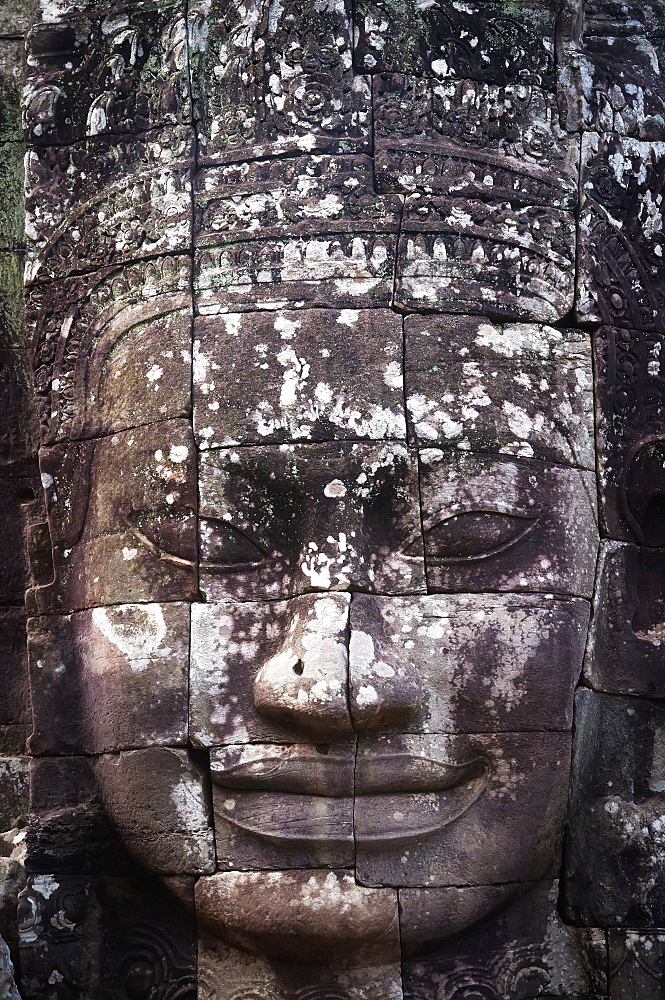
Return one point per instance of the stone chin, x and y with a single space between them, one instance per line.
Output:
325 918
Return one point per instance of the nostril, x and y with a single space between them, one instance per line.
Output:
322 748
298 668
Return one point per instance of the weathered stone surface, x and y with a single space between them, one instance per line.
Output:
635 964
469 256
108 200
18 426
517 389
12 880
263 378
259 670
621 243
283 80
630 403
19 485
109 679
157 801
287 915
614 872
425 804
522 952
225 971
467 138
7 981
505 524
625 653
109 72
283 806
125 506
14 790
15 701
105 939
465 662
276 521
112 350
480 41
307 231
69 832
610 70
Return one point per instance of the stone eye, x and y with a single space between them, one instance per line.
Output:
475 534
169 533
226 548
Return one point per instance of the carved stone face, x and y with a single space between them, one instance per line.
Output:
324 534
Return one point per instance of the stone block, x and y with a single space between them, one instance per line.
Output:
516 389
157 800
260 671
452 809
264 378
108 200
625 653
18 424
109 679
480 41
620 280
19 487
225 971
275 521
106 938
122 520
507 524
14 795
630 407
71 91
287 915
615 843
497 259
521 952
278 806
15 703
275 83
635 964
473 139
465 663
124 358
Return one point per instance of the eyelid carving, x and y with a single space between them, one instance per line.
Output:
503 541
242 542
156 550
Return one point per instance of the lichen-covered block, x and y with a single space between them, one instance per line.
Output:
104 938
283 915
522 951
283 806
276 521
125 506
471 139
109 678
516 389
621 242
264 378
260 668
112 350
631 423
14 804
609 71
425 804
625 651
503 260
108 200
494 523
486 41
636 963
465 662
157 801
104 72
271 81
614 873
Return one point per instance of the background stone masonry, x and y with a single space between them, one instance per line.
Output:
181 182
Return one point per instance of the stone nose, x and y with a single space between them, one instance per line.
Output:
305 684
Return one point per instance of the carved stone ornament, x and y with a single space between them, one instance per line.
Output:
332 497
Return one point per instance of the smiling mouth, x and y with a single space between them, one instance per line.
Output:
378 800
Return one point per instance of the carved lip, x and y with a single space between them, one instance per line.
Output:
398 797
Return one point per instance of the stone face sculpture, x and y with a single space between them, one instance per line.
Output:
344 330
